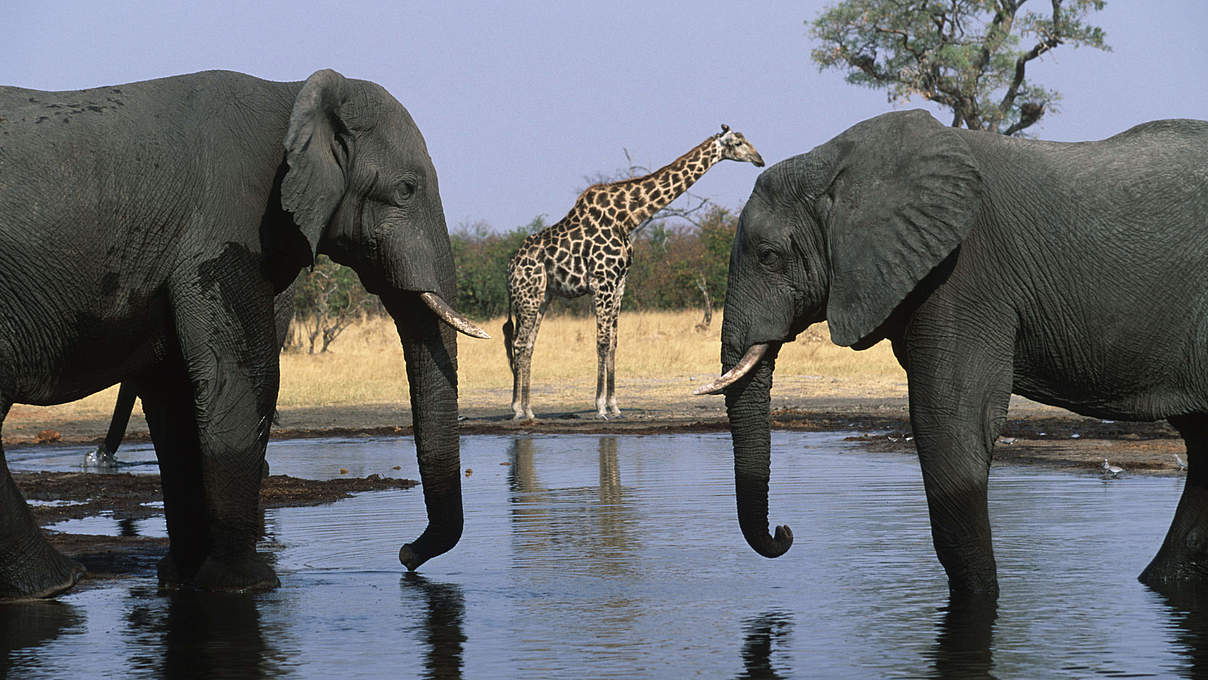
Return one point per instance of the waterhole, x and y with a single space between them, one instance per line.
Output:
603 557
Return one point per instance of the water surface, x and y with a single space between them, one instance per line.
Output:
603 557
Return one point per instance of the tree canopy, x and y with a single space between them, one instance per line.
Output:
970 56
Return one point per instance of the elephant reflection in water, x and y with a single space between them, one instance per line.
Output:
763 633
25 625
607 548
203 635
963 640
443 626
1189 621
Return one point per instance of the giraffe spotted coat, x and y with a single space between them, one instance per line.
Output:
588 251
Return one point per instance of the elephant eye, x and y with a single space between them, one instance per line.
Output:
405 191
770 258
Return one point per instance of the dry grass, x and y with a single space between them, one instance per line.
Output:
660 358
660 355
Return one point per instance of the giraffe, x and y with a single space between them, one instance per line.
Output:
588 251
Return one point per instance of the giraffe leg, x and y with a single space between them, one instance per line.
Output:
605 328
612 350
528 320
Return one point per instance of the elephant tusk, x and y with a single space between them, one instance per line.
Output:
445 313
745 364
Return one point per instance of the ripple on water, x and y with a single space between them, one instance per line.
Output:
590 556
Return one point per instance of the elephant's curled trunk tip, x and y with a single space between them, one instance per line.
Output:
408 557
774 546
445 313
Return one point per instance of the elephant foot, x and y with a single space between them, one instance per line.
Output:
101 457
973 584
979 592
37 572
1176 573
249 574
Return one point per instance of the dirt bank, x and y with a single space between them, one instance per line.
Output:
1034 433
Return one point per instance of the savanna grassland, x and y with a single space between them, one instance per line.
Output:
359 386
360 382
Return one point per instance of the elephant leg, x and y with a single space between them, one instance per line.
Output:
528 320
1183 558
960 387
104 455
168 406
226 335
29 566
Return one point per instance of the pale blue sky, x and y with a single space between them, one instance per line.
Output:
520 101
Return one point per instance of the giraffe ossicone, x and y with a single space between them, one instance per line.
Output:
588 251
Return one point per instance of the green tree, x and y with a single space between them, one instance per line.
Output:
682 266
970 56
481 257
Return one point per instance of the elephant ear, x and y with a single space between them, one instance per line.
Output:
316 152
904 197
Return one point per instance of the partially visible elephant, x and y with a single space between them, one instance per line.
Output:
1074 274
144 230
104 455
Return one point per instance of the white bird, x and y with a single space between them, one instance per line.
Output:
1182 464
1113 470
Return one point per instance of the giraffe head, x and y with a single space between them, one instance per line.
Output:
735 147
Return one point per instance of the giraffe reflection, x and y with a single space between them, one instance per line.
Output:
565 527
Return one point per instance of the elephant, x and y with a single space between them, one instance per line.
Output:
145 230
1069 273
104 455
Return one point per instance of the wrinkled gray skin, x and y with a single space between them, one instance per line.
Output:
1072 274
104 455
144 230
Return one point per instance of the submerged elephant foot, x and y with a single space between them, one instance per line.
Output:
40 571
248 575
972 582
1169 572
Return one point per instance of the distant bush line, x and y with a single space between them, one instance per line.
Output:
676 265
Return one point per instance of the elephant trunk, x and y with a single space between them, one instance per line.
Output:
748 401
430 350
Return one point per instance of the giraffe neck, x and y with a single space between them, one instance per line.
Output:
644 196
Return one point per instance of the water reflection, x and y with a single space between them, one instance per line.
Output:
29 624
201 635
443 631
963 639
1189 621
568 569
127 526
764 634
546 518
